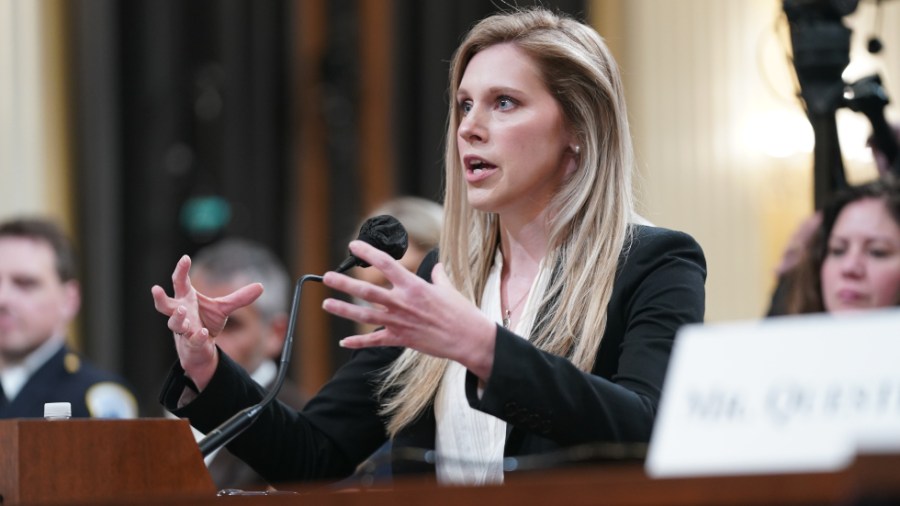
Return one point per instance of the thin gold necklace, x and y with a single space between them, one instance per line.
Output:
507 313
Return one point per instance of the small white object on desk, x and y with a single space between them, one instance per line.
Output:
57 410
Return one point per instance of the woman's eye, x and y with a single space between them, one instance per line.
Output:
505 103
465 107
835 251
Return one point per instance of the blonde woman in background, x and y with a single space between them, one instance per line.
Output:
422 219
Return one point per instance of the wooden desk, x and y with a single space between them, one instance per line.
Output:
156 461
872 480
92 460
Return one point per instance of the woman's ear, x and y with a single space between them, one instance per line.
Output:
572 161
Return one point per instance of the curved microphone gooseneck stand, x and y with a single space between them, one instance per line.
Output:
231 428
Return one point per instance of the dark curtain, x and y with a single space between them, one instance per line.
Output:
182 139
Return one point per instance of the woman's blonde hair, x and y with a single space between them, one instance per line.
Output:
589 216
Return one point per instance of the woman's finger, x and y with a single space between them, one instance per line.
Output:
162 302
179 323
181 280
360 314
392 269
380 337
243 296
357 288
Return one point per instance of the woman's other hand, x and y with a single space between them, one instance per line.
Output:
196 320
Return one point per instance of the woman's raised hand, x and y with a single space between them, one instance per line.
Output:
431 318
196 320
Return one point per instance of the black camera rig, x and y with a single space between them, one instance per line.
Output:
821 51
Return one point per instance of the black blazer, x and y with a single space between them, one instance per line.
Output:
547 402
228 471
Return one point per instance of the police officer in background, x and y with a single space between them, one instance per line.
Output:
39 297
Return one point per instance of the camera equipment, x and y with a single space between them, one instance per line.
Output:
821 49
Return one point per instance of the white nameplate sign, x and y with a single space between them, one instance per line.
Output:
789 394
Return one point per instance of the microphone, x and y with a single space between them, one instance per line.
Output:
383 232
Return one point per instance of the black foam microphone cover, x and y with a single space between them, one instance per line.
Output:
383 232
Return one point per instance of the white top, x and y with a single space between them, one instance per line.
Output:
469 443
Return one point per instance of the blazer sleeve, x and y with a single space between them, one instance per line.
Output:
659 288
337 429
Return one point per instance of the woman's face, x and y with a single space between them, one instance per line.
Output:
512 138
862 264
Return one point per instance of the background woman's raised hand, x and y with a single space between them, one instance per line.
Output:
196 319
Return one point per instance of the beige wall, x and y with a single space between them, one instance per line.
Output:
710 92
34 161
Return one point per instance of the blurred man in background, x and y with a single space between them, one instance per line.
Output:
39 298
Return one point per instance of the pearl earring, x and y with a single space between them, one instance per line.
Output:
577 149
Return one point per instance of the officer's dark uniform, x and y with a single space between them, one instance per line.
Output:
66 377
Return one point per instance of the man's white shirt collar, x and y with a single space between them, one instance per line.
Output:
13 378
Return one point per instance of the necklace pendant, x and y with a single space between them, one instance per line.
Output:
506 319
